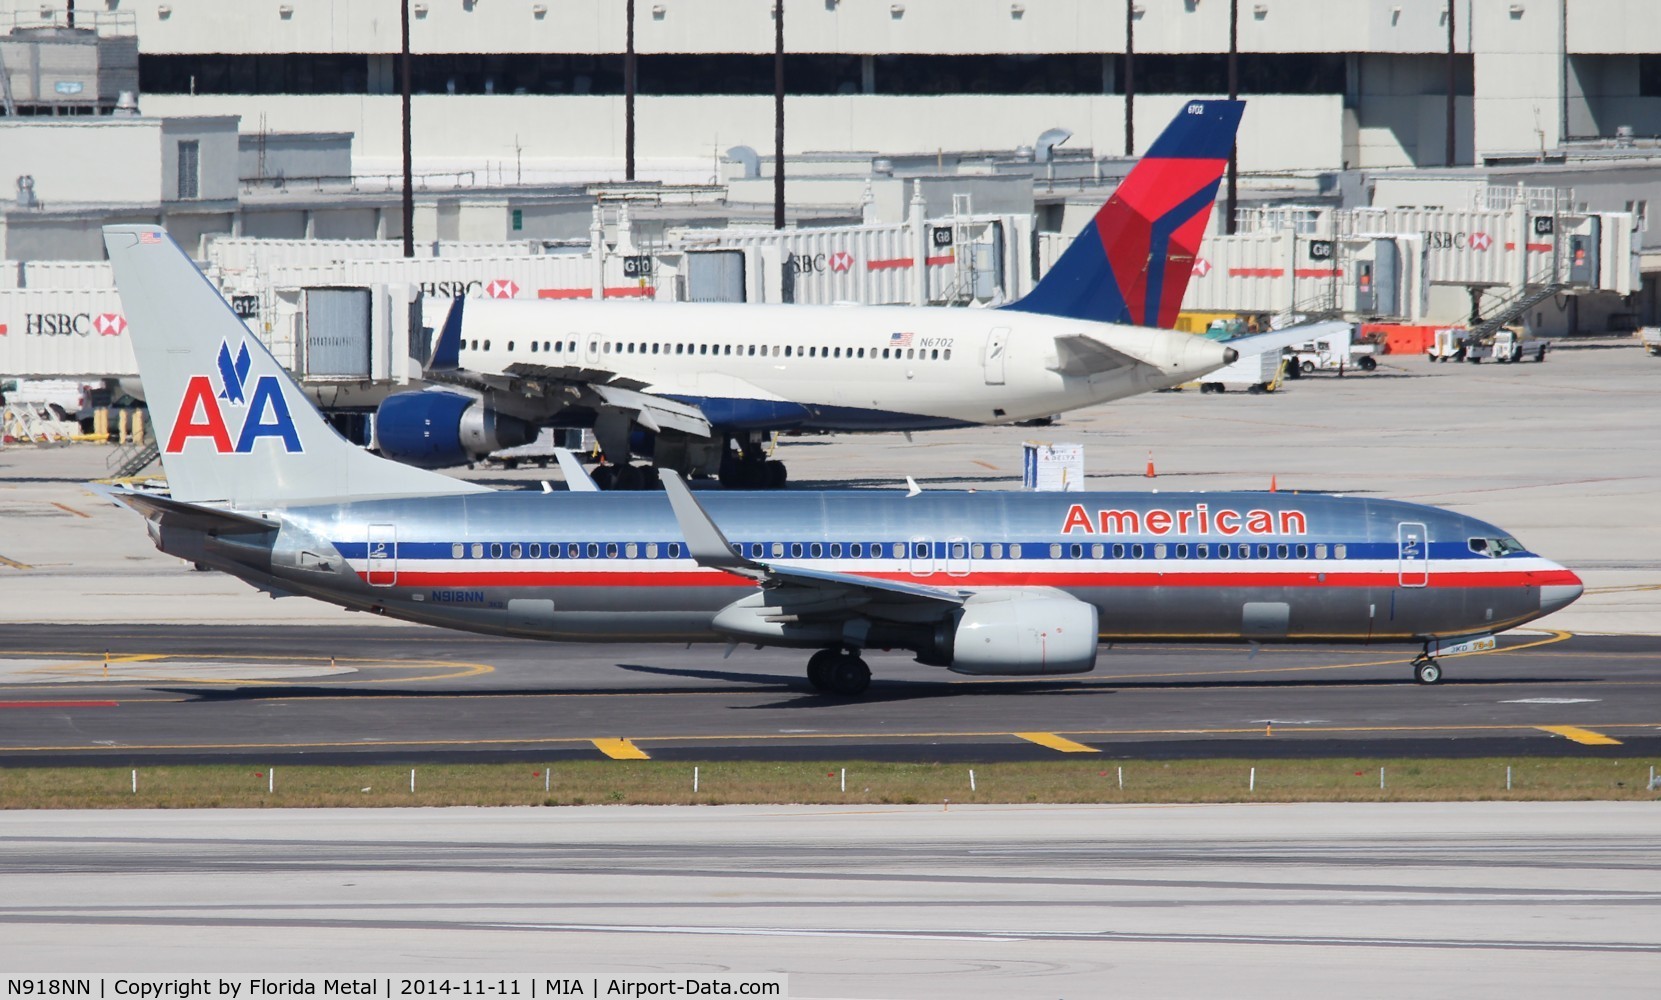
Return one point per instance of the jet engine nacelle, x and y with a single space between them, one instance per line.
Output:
1028 631
438 429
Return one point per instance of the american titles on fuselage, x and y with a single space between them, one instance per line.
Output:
1199 519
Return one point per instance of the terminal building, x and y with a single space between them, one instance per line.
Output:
1414 160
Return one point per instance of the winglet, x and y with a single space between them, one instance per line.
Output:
577 479
911 487
446 356
705 543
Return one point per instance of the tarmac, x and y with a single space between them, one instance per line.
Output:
1242 901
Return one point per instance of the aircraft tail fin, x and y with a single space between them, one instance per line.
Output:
231 423
1132 263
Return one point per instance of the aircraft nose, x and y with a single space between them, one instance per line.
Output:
1564 589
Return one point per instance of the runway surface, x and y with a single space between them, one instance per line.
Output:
1273 901
286 694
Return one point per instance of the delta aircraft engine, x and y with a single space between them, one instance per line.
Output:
438 429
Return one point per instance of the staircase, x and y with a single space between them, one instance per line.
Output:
1512 306
130 459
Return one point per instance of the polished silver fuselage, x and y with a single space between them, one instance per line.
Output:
1167 566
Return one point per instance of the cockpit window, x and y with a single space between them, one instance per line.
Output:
1495 548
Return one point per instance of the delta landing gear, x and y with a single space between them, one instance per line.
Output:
749 468
838 671
625 477
1426 670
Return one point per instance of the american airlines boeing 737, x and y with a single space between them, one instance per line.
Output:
695 387
980 583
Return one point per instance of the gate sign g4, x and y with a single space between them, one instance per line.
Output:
256 414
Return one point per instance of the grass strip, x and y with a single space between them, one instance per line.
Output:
651 782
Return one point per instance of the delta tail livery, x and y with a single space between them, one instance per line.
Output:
981 583
695 387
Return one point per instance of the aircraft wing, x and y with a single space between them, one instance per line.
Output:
655 413
1253 344
709 547
1077 354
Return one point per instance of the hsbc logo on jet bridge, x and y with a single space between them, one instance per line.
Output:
215 415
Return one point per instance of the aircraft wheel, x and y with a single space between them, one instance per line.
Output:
820 667
628 478
1427 672
773 475
604 476
849 676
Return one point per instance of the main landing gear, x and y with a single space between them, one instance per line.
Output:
838 671
1426 670
749 468
625 477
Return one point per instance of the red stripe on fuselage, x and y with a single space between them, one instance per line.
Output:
1141 579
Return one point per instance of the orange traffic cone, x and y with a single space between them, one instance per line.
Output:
1274 485
1150 473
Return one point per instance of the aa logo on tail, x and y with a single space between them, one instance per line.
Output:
256 414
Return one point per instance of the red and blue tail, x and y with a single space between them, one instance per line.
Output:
1132 264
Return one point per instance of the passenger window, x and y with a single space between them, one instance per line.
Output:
862 352
1202 551
1262 552
546 345
1075 550
1281 551
998 550
1182 552
1118 550
1245 551
651 550
836 352
934 355
1223 551
559 347
1320 550
495 550
857 550
752 351
703 348
922 550
813 352
1339 550
977 551
836 550
458 551
778 550
571 346
593 550
1055 550
1136 551
728 351
898 550
795 550
948 354
631 550
1014 550
775 350
1303 552
910 353
1159 551
605 348
674 550
816 550
533 347
487 345
960 550
515 551
885 352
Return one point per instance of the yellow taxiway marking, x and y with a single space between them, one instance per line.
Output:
1055 742
1282 729
448 669
66 507
621 750
14 564
1579 735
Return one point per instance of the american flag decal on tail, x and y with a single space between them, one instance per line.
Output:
149 238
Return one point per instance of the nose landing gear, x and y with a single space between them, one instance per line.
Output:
1426 670
838 671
